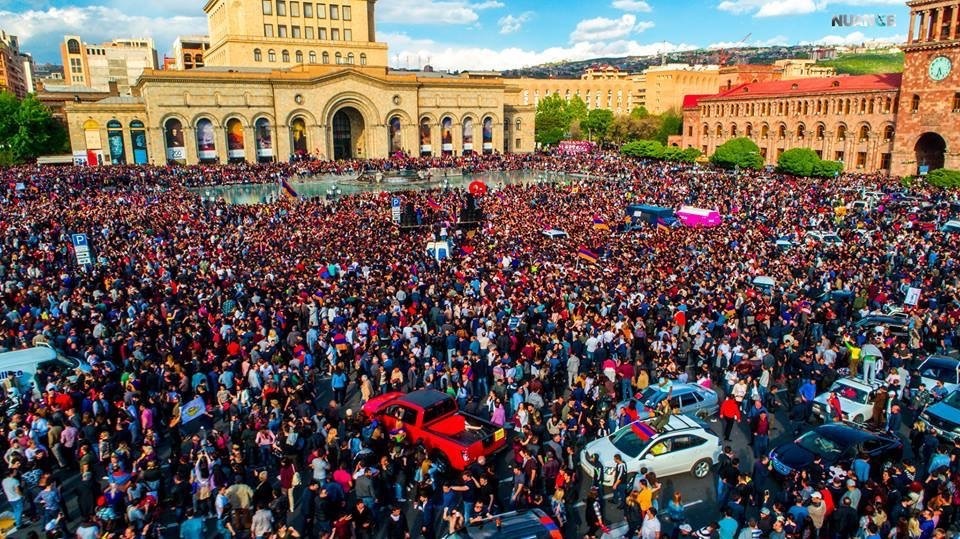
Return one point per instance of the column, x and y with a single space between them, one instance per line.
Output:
953 21
938 23
922 27
913 25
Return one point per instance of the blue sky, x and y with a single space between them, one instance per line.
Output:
489 34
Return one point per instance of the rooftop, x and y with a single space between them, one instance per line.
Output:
817 85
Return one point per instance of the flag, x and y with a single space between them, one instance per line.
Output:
599 223
642 430
662 225
287 190
588 255
192 410
433 204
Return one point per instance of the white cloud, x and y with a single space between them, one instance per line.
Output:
775 41
632 5
409 52
511 24
433 11
855 38
41 32
604 29
777 8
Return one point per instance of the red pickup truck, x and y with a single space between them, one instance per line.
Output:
432 418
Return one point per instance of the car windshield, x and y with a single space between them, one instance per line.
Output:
953 399
817 444
849 392
627 442
652 396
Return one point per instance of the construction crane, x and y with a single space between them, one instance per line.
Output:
723 55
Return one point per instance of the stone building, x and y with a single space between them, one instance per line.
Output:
16 76
899 124
285 98
95 66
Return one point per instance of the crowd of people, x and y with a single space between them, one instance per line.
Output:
283 318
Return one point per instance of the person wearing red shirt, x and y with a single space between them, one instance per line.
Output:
730 413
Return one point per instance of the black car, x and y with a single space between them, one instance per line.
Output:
837 443
898 325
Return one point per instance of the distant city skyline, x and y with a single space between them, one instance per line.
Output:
492 34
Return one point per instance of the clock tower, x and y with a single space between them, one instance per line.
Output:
928 112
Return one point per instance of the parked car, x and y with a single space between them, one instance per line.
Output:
530 523
693 399
683 445
821 237
940 368
837 443
432 418
899 325
951 227
855 399
944 416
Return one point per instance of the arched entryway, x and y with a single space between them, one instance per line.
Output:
348 131
930 149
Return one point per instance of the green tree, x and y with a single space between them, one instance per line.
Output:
597 124
945 178
671 124
9 105
639 112
797 161
38 133
551 120
690 155
627 128
826 169
737 152
576 109
643 149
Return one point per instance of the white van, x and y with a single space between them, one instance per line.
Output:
24 364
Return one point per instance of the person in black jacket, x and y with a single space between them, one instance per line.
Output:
397 524
845 520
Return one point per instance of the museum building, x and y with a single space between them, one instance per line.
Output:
285 78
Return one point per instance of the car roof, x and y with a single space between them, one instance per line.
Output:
676 423
941 361
514 524
840 431
858 382
425 397
682 388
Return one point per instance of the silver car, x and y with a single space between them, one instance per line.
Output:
694 400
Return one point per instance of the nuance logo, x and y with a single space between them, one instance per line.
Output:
863 20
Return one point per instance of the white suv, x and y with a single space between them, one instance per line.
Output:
854 396
683 445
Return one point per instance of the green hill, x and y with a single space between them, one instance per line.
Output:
867 63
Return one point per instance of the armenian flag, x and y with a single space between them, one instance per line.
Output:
642 430
599 223
586 254
662 225
434 205
287 190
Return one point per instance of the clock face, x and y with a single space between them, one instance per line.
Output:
939 68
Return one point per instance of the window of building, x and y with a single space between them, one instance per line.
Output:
719 130
820 131
690 131
363 59
313 57
271 55
308 9
334 12
519 125
321 11
285 56
295 32
819 153
73 46
294 9
268 30
765 131
339 58
350 58
782 131
749 130
326 57
801 131
347 34
861 159
322 33
956 102
517 143
298 57
308 32
346 13
76 66
864 132
281 30
888 133
763 153
257 55
915 103
838 155
268 7
335 34
885 160
842 132
706 129
282 8
733 130
187 61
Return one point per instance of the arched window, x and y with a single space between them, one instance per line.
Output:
864 132
749 130
285 56
801 131
198 60
187 61
326 57
821 129
271 55
888 133
719 130
915 103
339 58
350 58
298 57
518 123
782 131
257 55
842 132
73 46
733 130
313 57
363 59
706 129
765 131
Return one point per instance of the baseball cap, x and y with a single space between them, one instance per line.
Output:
817 495
686 528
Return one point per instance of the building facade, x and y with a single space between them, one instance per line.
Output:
15 76
94 66
602 87
267 110
897 124
189 52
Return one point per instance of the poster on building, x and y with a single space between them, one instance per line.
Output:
468 135
488 134
206 145
115 142
446 134
138 138
235 139
173 136
264 139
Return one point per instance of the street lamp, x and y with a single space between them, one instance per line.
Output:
333 192
445 184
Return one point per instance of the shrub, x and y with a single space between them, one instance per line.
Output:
826 169
737 152
797 161
945 178
643 149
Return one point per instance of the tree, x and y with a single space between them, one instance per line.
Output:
826 169
737 152
797 161
576 109
671 124
639 112
551 121
643 149
28 130
627 128
945 178
597 124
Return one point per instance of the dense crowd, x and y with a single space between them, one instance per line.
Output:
277 316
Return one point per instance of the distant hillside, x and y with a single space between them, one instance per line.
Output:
867 64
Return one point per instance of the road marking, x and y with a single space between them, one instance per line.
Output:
581 504
694 502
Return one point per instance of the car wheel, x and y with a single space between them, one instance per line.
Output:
701 469
858 418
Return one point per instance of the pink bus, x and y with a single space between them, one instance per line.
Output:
699 217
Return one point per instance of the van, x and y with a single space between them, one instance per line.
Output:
651 215
26 363
697 217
